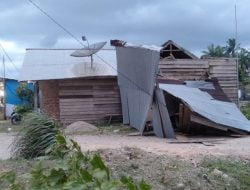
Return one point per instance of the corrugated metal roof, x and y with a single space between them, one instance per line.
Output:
224 113
45 64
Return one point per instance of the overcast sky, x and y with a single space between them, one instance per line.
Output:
194 24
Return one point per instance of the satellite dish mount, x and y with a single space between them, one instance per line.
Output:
89 51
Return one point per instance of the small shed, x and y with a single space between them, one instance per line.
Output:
71 88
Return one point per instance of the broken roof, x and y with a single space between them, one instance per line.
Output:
223 113
211 86
172 49
46 64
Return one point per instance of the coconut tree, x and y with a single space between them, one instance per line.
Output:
214 51
244 63
231 47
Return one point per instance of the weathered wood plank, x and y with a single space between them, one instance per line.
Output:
102 98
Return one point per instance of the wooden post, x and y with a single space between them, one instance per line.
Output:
4 90
186 119
181 110
36 96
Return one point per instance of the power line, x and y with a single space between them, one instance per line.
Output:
80 42
57 23
9 58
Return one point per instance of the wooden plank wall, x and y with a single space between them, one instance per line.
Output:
88 100
225 71
186 69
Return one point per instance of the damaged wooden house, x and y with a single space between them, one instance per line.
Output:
164 88
171 88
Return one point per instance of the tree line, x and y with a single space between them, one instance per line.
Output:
232 50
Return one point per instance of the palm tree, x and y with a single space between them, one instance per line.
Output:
231 47
244 63
214 51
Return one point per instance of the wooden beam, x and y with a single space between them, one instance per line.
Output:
206 122
181 110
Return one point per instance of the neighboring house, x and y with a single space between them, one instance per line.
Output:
69 89
10 95
177 63
12 99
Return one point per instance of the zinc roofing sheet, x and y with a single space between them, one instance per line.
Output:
47 64
137 68
224 113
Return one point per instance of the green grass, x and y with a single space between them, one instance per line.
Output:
5 124
246 111
238 170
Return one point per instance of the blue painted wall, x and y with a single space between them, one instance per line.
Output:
10 90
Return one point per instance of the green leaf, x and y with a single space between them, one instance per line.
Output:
74 185
97 162
61 139
144 186
9 177
86 176
57 176
129 183
100 175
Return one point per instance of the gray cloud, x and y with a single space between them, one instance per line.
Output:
193 24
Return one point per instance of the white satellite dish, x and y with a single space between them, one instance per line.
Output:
89 51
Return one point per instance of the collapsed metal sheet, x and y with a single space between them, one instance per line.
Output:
124 100
156 121
137 69
166 124
224 113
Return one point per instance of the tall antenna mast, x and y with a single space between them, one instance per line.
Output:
237 55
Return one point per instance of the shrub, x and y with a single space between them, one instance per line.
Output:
41 136
25 93
36 136
75 171
23 109
246 111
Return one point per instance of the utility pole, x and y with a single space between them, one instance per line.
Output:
237 55
4 90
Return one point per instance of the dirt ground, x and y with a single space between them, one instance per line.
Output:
232 147
163 164
6 140
168 172
227 147
162 172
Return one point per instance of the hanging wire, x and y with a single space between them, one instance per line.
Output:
80 42
9 58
